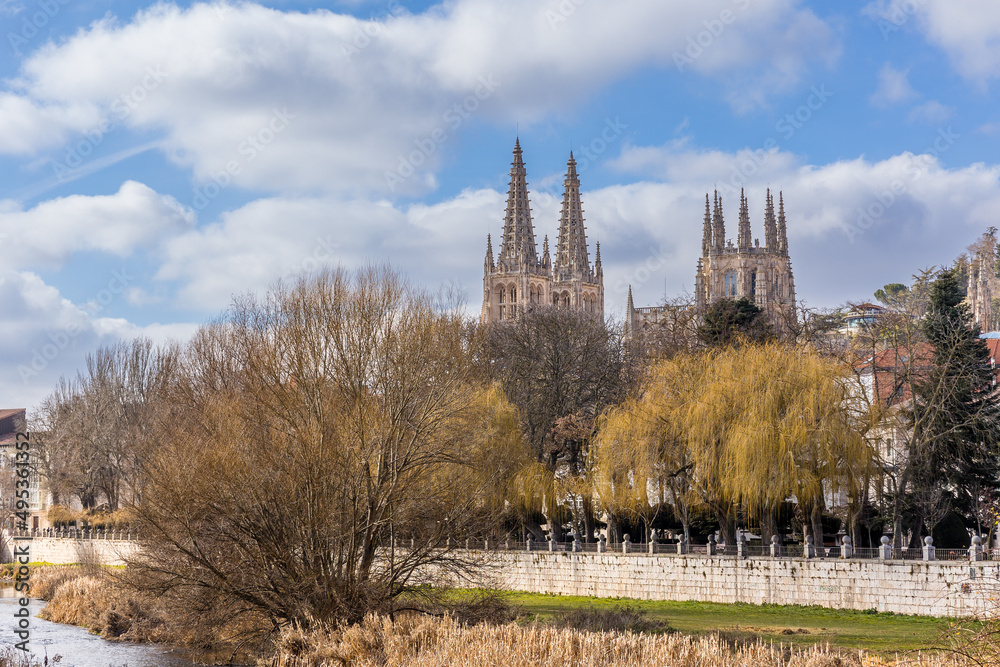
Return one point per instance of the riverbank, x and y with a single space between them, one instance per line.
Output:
549 629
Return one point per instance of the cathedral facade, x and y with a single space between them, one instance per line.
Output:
762 274
516 279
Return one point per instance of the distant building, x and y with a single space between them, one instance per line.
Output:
13 421
762 274
516 278
862 316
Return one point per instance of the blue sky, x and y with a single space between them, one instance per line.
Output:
157 159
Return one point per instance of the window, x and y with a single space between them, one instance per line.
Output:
753 284
730 284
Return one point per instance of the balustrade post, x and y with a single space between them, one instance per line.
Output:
775 546
809 549
929 548
976 549
885 550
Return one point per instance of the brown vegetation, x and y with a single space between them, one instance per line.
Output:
431 642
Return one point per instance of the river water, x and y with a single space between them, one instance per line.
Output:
77 646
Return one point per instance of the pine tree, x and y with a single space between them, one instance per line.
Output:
956 416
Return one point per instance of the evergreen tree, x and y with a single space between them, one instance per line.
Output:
955 414
730 322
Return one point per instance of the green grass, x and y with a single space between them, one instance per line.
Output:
787 624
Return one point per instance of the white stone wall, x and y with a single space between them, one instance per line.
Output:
64 551
939 588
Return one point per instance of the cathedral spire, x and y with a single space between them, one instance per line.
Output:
489 265
546 260
518 245
571 247
631 304
744 239
706 238
782 231
598 269
770 226
718 225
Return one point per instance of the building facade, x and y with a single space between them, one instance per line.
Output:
517 278
762 274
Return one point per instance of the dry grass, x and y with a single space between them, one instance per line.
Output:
430 642
91 600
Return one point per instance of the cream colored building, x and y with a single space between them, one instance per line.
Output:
761 273
516 278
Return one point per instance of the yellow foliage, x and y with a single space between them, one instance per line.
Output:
754 425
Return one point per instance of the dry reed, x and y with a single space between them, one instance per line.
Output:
431 642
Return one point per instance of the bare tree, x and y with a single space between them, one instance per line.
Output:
557 365
325 444
94 431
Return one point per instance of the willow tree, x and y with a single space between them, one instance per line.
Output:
642 457
742 428
327 441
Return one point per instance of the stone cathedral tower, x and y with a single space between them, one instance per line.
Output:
761 274
517 278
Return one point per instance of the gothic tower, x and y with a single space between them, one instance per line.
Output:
518 278
727 271
762 274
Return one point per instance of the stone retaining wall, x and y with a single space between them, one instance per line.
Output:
938 588
63 551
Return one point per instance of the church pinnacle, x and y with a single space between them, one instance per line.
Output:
782 231
718 225
518 246
706 238
770 226
744 239
571 246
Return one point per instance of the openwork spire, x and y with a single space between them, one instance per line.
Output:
744 231
770 225
518 232
571 247
782 231
718 225
490 266
706 238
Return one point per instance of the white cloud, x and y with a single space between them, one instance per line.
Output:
854 225
48 234
968 31
357 99
932 112
893 87
45 336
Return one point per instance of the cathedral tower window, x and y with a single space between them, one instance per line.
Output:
730 284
